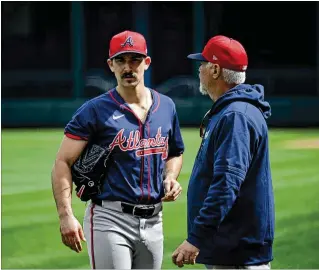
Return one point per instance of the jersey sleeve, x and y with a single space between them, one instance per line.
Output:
176 144
83 123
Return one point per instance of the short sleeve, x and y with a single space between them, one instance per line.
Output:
83 123
176 144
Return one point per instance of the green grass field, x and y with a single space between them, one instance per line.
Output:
30 226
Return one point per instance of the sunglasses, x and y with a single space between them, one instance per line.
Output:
202 125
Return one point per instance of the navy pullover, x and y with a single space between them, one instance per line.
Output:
230 194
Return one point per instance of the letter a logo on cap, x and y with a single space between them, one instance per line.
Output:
128 41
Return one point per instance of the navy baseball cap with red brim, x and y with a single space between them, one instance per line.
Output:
197 56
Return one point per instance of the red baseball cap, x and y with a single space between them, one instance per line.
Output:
225 51
127 42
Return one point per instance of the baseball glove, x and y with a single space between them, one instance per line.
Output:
89 170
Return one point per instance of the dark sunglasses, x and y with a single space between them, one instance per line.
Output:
202 125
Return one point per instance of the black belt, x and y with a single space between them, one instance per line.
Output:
142 211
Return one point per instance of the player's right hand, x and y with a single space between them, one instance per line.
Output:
172 189
72 233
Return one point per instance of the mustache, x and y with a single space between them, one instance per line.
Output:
128 75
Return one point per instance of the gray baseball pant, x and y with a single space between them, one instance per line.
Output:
117 240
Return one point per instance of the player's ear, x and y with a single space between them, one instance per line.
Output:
148 61
110 63
215 70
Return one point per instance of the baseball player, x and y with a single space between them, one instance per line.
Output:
123 225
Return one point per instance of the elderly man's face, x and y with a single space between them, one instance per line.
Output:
203 78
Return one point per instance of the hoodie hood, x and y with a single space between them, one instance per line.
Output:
253 94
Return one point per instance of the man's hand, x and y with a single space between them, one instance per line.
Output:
71 233
172 189
186 253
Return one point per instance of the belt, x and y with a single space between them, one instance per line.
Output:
137 210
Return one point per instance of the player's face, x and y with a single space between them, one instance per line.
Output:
129 68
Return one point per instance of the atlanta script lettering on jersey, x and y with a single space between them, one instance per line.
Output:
143 147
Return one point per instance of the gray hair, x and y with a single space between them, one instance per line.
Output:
231 76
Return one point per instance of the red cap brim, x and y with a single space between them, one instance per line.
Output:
119 53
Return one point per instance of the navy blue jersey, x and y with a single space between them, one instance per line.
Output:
138 151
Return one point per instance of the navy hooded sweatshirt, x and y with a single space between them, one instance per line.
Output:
230 195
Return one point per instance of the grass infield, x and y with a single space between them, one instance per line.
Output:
30 226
